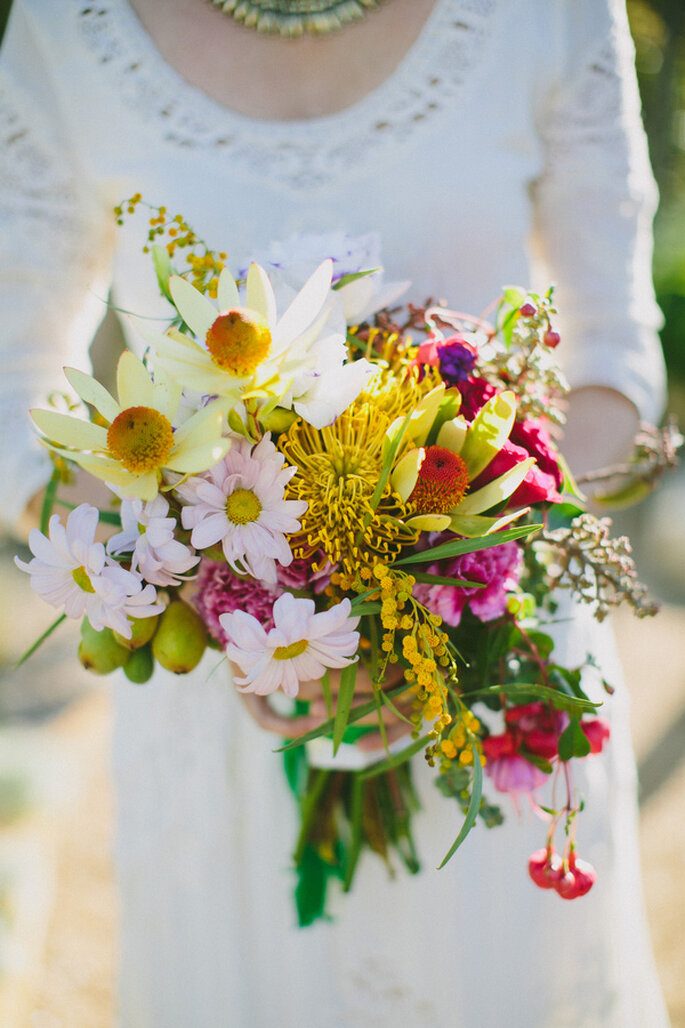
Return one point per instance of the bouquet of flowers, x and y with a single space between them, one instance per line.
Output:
329 490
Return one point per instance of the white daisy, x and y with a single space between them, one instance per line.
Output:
139 440
240 504
71 571
299 648
149 534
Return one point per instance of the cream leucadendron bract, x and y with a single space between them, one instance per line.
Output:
244 351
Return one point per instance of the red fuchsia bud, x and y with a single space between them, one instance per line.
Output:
586 876
551 338
527 310
598 731
545 868
578 879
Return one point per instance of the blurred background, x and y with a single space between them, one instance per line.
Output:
57 899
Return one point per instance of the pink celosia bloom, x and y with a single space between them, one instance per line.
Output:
299 648
220 591
498 567
71 571
239 503
149 533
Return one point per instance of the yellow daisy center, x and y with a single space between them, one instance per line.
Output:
80 576
238 341
141 439
293 650
242 507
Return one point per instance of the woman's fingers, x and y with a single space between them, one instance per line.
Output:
270 721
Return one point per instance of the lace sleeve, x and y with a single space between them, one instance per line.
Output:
594 205
54 254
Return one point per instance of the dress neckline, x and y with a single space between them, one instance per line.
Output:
299 154
404 72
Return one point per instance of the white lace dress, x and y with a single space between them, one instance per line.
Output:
506 147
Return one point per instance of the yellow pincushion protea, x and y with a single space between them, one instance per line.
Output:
139 440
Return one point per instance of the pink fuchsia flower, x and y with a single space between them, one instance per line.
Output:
71 571
598 732
299 648
220 591
513 773
498 567
239 503
149 534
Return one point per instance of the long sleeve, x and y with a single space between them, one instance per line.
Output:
593 208
55 247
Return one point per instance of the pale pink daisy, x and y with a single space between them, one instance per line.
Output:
149 534
70 570
239 503
299 648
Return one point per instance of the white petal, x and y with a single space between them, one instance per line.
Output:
260 295
227 291
70 431
306 306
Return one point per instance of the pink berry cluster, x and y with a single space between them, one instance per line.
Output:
551 338
566 874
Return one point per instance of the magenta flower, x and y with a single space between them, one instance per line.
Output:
499 568
221 592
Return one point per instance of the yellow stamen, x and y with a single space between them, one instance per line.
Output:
293 650
238 341
242 507
141 439
80 576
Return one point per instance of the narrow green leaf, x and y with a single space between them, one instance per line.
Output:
424 576
364 607
513 296
559 700
355 715
472 812
49 500
459 546
326 690
396 760
353 276
41 639
163 269
348 680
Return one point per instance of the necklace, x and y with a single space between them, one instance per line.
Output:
295 17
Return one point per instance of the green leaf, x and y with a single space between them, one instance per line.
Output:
395 761
364 607
573 742
355 715
41 639
459 546
424 576
163 269
49 501
513 296
529 691
472 812
348 679
353 276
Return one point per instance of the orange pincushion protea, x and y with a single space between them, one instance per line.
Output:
442 482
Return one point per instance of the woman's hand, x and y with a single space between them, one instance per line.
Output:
292 727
